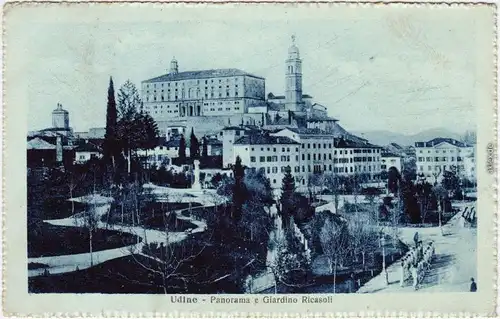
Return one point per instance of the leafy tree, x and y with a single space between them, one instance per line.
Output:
393 180
451 182
292 268
110 147
134 128
150 132
287 196
239 190
410 206
129 101
426 199
182 149
204 153
258 187
194 146
409 170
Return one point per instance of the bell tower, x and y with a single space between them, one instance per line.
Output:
293 78
174 66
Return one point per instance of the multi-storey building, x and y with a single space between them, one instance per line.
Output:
439 155
389 160
323 152
229 135
270 153
219 92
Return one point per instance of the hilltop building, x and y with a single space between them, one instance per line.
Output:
210 100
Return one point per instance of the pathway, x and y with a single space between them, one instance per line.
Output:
68 263
453 265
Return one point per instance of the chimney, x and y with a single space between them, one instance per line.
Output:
59 149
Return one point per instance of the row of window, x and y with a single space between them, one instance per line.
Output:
197 96
157 85
318 145
438 167
320 169
269 148
438 159
444 151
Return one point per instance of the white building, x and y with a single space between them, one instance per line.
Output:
323 152
85 153
389 160
269 153
470 165
229 135
217 92
439 155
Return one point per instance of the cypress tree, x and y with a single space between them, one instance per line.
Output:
194 146
287 195
182 149
110 138
204 153
238 189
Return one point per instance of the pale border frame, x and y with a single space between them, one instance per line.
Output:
14 204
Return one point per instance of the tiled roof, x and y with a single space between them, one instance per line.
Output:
39 144
202 74
387 154
346 143
87 147
308 131
316 118
440 140
173 143
241 127
213 141
257 139
282 97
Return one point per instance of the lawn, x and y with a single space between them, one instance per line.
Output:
154 216
45 239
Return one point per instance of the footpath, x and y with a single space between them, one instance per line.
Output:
68 263
454 262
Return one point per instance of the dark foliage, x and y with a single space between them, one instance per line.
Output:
51 240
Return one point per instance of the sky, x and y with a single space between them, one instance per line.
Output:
375 68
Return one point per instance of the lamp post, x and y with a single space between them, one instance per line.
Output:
384 269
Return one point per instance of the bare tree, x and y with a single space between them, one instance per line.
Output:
363 233
91 220
437 173
335 243
332 182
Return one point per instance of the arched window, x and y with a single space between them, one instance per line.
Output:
291 69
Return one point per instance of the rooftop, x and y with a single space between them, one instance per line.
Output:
39 144
241 127
317 118
388 154
264 139
202 74
439 140
87 147
282 97
347 143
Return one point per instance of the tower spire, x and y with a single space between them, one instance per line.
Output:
293 79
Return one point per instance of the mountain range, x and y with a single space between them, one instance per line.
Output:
383 138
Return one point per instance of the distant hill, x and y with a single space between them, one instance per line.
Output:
383 138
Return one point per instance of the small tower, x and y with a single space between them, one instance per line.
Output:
174 67
60 118
293 78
